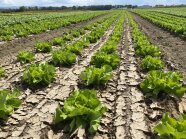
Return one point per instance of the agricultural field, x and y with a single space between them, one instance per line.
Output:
117 74
181 11
172 23
17 26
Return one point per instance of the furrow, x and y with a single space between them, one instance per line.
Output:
130 103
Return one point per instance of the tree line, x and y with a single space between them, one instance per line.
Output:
51 8
92 7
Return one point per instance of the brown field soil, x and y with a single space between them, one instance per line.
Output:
173 48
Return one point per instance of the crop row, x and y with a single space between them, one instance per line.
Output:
181 11
159 83
31 27
172 23
24 18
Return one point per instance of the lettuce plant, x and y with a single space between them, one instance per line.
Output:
88 27
184 34
96 76
94 36
2 72
101 58
151 63
82 31
170 128
83 42
58 41
65 58
22 34
92 39
163 82
25 57
83 109
75 34
43 47
141 40
145 50
39 74
6 38
75 48
67 38
8 102
109 48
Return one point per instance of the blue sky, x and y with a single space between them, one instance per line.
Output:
5 3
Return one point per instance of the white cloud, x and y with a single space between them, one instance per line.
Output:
25 3
154 2
8 1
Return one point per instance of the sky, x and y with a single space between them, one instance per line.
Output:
7 3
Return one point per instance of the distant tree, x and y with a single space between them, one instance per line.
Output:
74 8
64 7
22 9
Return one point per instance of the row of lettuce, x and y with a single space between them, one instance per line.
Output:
159 83
177 11
31 27
16 18
83 107
172 23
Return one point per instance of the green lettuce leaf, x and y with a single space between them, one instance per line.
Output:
84 110
166 82
39 74
171 128
65 58
8 102
2 72
25 57
100 59
96 76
